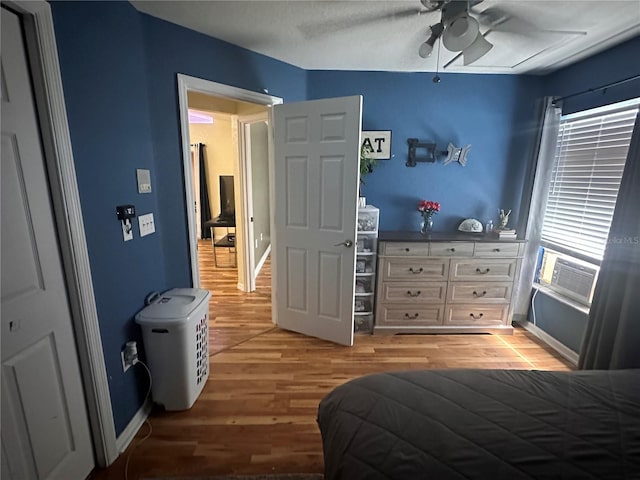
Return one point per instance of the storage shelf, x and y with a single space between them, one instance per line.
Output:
366 256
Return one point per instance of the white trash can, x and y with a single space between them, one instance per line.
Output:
175 332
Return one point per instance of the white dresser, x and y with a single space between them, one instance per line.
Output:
444 283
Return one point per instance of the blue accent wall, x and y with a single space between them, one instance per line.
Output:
615 64
119 76
493 113
102 59
563 322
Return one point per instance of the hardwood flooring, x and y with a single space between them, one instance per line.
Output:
257 411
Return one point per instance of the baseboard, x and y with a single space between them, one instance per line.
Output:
559 347
127 435
262 260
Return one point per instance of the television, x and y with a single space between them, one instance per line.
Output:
227 199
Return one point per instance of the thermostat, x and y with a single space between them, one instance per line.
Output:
144 180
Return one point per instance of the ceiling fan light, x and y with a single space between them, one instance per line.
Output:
460 33
476 50
425 49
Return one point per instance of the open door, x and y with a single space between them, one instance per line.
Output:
316 153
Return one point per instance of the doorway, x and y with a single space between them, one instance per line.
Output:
230 183
236 104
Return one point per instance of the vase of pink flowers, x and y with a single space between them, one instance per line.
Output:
427 209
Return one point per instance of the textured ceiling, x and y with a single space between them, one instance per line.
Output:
529 36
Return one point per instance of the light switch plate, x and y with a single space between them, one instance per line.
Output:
147 225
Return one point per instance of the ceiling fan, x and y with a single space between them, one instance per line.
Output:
458 29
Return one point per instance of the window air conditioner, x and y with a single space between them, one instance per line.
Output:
568 277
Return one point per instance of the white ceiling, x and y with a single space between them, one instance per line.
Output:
537 36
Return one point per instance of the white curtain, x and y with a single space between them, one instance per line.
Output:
534 199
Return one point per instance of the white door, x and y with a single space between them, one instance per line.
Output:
45 429
316 174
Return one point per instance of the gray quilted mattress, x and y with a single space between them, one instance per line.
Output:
483 424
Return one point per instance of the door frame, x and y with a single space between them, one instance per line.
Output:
188 83
246 182
59 163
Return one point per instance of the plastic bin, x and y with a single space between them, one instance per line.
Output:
175 333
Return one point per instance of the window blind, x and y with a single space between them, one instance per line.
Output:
589 162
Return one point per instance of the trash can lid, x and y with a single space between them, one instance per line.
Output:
173 306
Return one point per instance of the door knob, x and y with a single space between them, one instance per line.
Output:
346 243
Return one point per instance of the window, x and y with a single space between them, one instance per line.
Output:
589 161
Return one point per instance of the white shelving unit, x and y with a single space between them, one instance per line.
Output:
366 260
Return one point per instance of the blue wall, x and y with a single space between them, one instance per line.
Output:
102 59
119 76
615 64
562 322
493 113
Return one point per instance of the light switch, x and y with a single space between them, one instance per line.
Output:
147 225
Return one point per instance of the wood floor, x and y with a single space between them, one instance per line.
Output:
257 412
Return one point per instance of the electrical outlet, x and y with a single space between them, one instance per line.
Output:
129 355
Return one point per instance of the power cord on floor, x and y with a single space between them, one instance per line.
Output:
126 465
241 342
533 306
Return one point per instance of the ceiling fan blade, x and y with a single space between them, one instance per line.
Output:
325 27
502 19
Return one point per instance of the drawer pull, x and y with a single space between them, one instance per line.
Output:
407 249
476 294
496 249
412 294
411 317
418 271
483 272
451 249
478 317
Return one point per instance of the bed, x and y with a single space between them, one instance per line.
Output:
483 424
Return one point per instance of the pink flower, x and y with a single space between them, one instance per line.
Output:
428 207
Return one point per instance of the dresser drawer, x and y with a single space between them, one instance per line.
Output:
413 292
406 249
414 269
476 315
484 293
451 249
410 315
496 249
485 270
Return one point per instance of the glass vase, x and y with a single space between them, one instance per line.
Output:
427 225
